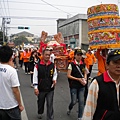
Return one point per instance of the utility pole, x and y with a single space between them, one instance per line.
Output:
5 21
3 29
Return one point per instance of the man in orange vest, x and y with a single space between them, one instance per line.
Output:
101 57
91 59
26 57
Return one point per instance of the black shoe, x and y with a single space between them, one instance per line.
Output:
68 112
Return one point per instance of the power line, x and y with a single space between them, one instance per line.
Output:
35 10
1 9
34 18
45 4
55 7
5 7
8 8
32 25
99 1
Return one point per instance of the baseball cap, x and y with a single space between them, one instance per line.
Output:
50 48
113 55
78 51
89 49
77 48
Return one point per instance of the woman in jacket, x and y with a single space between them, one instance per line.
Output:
33 60
77 80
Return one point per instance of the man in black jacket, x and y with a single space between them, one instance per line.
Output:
103 101
44 80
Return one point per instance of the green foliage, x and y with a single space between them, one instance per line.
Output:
20 40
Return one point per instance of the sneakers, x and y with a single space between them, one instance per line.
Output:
90 79
68 112
32 86
79 119
39 116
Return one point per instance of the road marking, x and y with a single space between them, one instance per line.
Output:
94 71
23 113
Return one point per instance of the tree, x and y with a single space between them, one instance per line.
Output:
20 40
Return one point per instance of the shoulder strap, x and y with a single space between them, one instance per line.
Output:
79 71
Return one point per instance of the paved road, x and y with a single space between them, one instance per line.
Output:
61 98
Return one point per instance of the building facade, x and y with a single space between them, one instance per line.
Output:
74 31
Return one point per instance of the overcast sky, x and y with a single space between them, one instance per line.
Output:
41 15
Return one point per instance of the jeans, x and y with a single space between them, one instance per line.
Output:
26 64
11 114
49 101
77 94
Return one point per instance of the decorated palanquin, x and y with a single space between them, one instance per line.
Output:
104 26
59 49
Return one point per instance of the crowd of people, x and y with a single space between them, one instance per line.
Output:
99 101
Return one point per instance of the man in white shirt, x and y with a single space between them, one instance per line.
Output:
10 102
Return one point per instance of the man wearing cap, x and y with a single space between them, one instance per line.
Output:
103 101
77 80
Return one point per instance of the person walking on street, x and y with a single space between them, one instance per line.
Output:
33 61
77 80
17 58
91 59
103 101
101 55
10 101
21 57
44 80
26 57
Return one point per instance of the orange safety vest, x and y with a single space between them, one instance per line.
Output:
101 63
90 60
26 56
21 56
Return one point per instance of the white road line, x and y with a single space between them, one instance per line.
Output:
94 71
23 113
